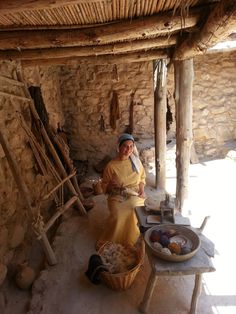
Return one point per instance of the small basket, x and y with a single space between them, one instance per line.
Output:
123 281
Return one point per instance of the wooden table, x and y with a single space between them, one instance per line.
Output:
197 265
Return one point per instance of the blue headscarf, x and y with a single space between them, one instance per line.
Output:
134 159
125 137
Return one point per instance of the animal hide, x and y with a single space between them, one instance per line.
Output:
114 110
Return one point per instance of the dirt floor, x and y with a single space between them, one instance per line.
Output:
64 288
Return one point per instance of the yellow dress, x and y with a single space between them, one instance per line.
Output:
121 226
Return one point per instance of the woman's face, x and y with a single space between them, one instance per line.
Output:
126 149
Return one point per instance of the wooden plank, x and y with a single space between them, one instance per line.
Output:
70 52
219 25
140 28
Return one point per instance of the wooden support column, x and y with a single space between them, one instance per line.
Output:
160 123
183 100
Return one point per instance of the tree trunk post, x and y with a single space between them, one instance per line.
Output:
160 123
183 98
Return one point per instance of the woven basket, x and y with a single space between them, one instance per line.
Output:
123 281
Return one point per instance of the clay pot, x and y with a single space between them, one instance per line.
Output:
25 277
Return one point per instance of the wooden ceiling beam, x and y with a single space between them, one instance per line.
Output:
70 52
101 60
219 25
140 28
16 6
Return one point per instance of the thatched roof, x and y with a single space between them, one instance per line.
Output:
112 31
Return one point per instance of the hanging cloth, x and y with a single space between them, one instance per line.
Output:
114 110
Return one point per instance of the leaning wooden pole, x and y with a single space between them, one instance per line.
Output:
52 149
56 158
26 197
69 164
160 124
183 97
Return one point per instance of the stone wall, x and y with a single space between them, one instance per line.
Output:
79 97
15 220
47 78
86 98
214 103
214 99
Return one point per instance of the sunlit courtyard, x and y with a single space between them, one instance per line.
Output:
212 193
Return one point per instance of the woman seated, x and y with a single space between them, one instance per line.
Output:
123 181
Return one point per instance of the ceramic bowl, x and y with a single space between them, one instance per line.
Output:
184 236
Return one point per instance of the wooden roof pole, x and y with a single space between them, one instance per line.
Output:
71 52
219 25
140 28
183 100
140 56
160 124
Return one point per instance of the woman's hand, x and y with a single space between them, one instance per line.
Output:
141 192
112 184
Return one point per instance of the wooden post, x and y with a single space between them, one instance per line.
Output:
26 196
183 99
143 307
196 293
160 124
